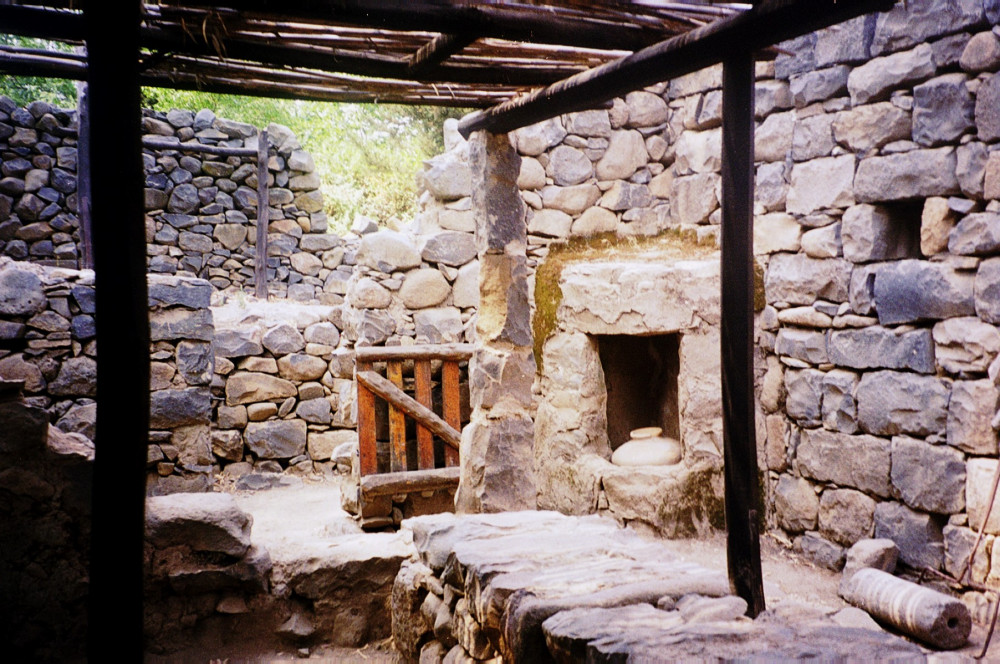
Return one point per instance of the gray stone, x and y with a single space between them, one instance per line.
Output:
279 439
859 461
812 137
588 124
918 535
771 190
907 175
796 504
806 345
451 248
892 402
318 242
820 184
625 154
169 291
465 288
282 339
943 110
874 233
209 522
369 327
387 251
773 139
645 109
928 477
877 347
987 291
316 411
871 126
322 445
238 342
981 53
912 290
958 543
970 411
21 293
195 362
846 516
324 332
820 551
818 85
874 80
366 293
805 392
183 199
77 377
301 367
988 109
625 196
571 200
550 223
447 176
979 474
179 323
880 554
965 345
839 407
80 419
977 234
568 166
424 288
535 139
694 197
440 325
700 151
916 22
799 279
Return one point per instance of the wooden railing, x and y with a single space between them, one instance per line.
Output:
403 473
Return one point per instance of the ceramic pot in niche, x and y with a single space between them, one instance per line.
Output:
648 447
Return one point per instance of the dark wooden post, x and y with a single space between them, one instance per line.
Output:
83 178
119 244
742 491
263 212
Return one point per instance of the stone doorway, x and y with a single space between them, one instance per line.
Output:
640 376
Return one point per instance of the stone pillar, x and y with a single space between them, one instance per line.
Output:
497 444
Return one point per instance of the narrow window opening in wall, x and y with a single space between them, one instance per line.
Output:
640 374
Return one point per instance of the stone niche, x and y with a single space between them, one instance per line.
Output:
637 344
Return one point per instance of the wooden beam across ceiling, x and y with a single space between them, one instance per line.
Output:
769 22
433 53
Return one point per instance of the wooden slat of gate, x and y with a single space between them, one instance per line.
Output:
451 399
425 439
397 421
366 426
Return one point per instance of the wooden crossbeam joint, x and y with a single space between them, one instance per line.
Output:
384 388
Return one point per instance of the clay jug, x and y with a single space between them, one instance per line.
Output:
648 447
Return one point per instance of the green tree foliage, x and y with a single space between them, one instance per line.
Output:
367 155
26 89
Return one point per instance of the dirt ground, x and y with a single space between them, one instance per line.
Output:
304 508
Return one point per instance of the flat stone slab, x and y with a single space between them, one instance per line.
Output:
585 589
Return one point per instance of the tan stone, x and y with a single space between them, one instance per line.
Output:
194 445
775 451
625 154
305 263
424 288
321 444
661 185
248 387
230 236
991 186
258 412
260 364
595 220
936 222
160 375
571 200
299 366
776 232
532 175
804 317
366 293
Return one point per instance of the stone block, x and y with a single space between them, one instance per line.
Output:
423 288
880 554
626 153
877 347
276 439
799 279
958 543
970 168
238 342
195 362
820 184
804 396
776 452
988 109
169 324
77 377
694 197
170 291
208 522
806 345
301 367
571 200
875 79
928 477
824 242
283 338
943 110
625 196
913 290
497 471
877 233
894 402
535 139
812 137
796 504
771 190
173 408
321 444
773 138
871 126
918 535
840 410
977 234
387 251
915 22
550 223
907 175
818 85
820 551
439 325
498 208
593 221
447 176
568 166
965 345
465 288
366 293
776 232
861 462
249 387
504 312
987 290
846 516
970 411
936 222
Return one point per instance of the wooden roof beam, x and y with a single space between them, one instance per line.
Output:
769 22
483 19
439 49
41 23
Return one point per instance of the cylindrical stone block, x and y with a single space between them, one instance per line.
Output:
933 617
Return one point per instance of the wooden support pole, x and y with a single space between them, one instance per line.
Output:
385 389
367 448
437 50
263 203
454 352
387 484
740 448
425 397
397 420
451 400
115 627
